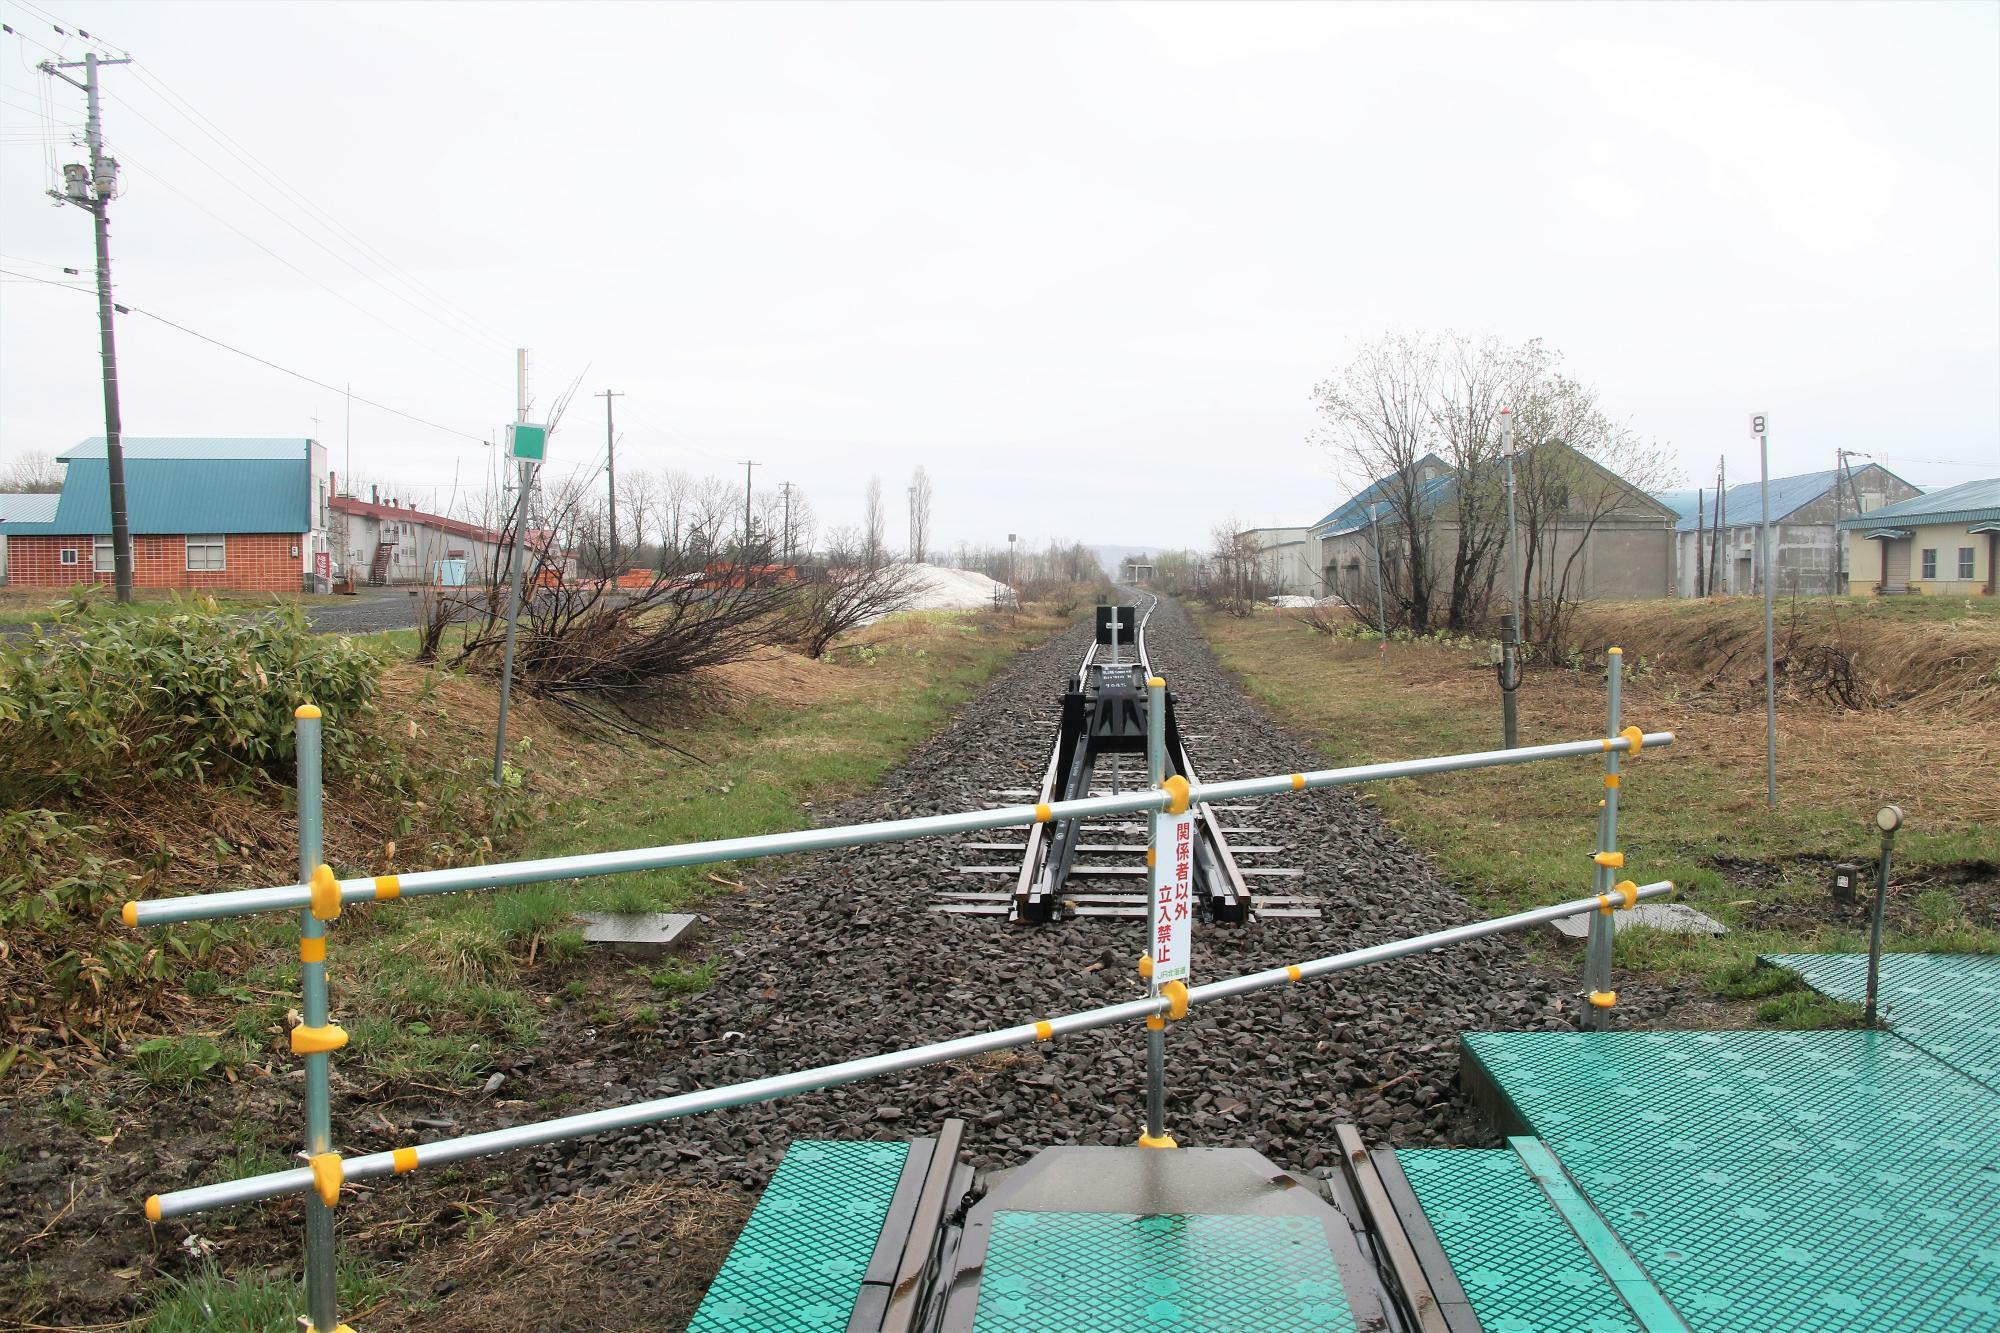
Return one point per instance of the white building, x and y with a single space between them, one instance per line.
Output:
1286 560
378 542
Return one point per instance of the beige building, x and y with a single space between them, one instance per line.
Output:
1287 563
1612 541
1945 544
1804 539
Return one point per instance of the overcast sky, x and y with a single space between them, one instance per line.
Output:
1083 262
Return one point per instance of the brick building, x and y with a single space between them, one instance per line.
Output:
204 513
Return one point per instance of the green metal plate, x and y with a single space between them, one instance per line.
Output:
797 1266
1522 1267
1212 1273
1948 1004
1776 1180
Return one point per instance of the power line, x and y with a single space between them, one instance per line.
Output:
235 148
458 323
262 361
344 299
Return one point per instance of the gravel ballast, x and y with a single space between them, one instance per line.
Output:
836 956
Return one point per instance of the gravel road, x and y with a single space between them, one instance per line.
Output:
836 956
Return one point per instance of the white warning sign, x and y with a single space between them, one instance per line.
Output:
1173 897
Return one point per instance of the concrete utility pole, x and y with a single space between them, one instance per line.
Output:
92 189
786 489
748 464
611 475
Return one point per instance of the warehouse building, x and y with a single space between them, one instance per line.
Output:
244 514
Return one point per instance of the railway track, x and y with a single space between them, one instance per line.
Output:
1070 868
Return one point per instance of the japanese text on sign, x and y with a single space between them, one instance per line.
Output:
1173 897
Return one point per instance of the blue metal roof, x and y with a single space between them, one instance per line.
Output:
1356 512
1685 503
27 508
194 446
1788 496
171 495
1967 502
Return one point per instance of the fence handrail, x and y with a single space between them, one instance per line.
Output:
509 874
401 1161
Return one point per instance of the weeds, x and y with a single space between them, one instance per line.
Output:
181 1062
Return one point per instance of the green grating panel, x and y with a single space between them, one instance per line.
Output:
797 1267
1216 1273
1521 1266
1948 1004
1776 1180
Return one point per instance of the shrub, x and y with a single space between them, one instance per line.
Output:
199 696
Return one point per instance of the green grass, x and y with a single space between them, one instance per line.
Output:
28 606
256 1303
180 1062
1520 836
431 988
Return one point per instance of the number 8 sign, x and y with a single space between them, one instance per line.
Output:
1759 424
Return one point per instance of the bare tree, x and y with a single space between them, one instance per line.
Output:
1381 421
874 528
851 596
34 472
920 514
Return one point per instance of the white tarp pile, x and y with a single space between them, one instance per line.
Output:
941 589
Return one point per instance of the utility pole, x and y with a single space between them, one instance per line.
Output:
611 475
1510 639
91 189
349 464
1760 427
748 464
912 494
786 488
527 476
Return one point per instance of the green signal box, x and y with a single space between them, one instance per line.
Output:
527 442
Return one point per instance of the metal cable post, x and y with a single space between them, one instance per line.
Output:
1888 819
1158 855
322 1297
1599 997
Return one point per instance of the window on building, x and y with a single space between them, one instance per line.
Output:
1965 562
69 555
103 555
1930 565
205 552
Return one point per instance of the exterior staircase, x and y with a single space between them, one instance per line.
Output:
378 569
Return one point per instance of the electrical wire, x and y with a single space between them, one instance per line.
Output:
262 361
458 325
346 300
236 149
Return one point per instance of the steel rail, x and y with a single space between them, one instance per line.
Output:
370 1166
508 874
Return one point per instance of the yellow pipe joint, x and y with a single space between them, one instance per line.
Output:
318 1041
328 1175
325 893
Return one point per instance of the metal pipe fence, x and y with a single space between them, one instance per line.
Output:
325 888
321 895
401 1161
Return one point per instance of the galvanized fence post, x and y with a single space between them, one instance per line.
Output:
1888 819
1599 997
317 1038
1158 854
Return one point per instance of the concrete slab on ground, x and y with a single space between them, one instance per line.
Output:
638 934
1674 918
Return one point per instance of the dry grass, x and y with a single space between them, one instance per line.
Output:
635 1257
1919 653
